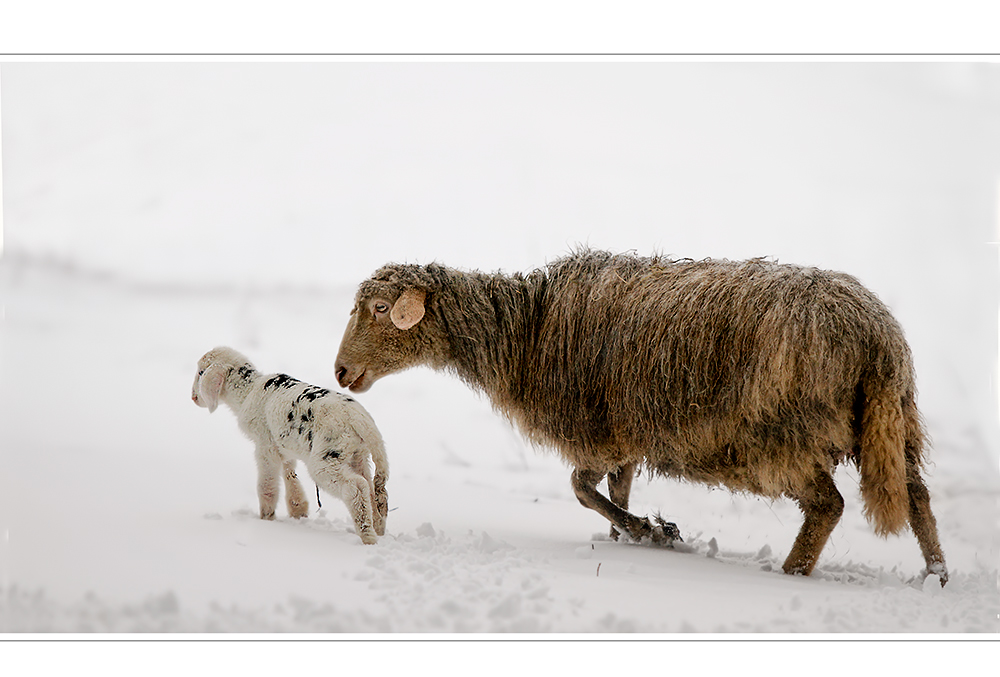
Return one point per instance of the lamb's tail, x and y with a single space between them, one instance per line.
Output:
381 462
887 434
367 433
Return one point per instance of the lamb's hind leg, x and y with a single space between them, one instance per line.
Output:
339 479
357 494
380 503
619 489
585 486
295 497
822 506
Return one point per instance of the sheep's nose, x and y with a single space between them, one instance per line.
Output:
341 372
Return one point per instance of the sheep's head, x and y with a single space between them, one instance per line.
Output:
387 331
213 369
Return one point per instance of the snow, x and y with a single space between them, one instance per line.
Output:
153 211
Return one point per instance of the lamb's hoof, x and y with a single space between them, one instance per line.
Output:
369 538
665 533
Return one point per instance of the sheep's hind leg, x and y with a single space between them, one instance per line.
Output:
822 506
295 497
924 525
637 528
619 489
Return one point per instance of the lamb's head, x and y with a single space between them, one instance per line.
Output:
214 369
387 331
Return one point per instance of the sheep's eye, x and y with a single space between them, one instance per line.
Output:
381 308
201 372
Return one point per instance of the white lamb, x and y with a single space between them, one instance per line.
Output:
289 421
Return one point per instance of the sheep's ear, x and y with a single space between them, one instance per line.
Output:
210 386
408 309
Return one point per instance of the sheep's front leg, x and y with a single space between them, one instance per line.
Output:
268 468
619 489
637 528
295 498
822 505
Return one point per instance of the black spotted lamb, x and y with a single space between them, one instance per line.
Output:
289 421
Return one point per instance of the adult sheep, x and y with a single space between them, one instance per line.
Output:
754 375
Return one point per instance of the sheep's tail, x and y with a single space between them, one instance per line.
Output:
888 435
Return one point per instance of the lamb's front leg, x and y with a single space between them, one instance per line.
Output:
295 498
268 468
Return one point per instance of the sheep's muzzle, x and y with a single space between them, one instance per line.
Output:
354 379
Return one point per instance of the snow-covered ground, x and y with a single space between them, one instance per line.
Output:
135 510
155 211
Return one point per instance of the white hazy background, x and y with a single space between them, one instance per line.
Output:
154 210
252 174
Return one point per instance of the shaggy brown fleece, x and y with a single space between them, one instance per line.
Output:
753 375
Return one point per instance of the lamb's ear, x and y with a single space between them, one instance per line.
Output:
210 386
408 309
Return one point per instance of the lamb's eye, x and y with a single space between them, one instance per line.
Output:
381 308
201 372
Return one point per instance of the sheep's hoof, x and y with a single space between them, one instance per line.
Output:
938 569
369 538
665 533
